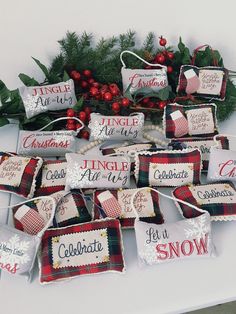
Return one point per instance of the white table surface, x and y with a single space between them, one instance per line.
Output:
175 287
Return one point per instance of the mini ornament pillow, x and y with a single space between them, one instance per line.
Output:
137 79
219 199
187 121
92 171
168 168
38 99
118 204
222 162
186 239
205 82
116 127
83 249
18 249
70 209
48 143
52 177
204 145
18 174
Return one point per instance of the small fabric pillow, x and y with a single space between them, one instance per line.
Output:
17 251
93 171
71 209
168 168
38 99
146 204
219 199
116 127
187 121
52 177
205 82
88 248
204 145
18 174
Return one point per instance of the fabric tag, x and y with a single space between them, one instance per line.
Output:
204 146
66 209
210 82
54 175
143 203
12 169
78 249
200 121
214 193
172 174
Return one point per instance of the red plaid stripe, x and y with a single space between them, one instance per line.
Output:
32 222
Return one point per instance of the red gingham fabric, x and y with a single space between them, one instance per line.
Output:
111 207
181 126
48 273
32 222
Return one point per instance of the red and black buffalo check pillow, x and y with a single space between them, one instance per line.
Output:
219 199
168 168
71 209
18 174
169 125
52 177
84 249
148 210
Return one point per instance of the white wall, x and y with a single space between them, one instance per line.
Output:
32 28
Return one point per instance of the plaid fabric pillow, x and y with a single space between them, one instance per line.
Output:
168 168
83 249
148 209
219 199
52 177
18 174
202 125
204 145
199 72
71 209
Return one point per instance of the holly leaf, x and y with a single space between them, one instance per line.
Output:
77 107
27 80
4 92
42 67
181 45
127 93
65 76
3 121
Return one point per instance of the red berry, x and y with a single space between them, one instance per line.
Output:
145 100
95 84
87 110
73 73
104 87
71 127
87 73
84 84
70 121
94 91
78 125
125 102
151 104
107 96
169 69
162 41
84 134
70 113
170 55
77 76
160 58
82 116
162 104
114 89
115 107
98 96
91 81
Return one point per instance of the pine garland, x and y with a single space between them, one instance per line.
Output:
80 52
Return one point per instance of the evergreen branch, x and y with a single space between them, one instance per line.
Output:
149 43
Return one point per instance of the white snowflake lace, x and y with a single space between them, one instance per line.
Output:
198 227
14 244
96 132
75 174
